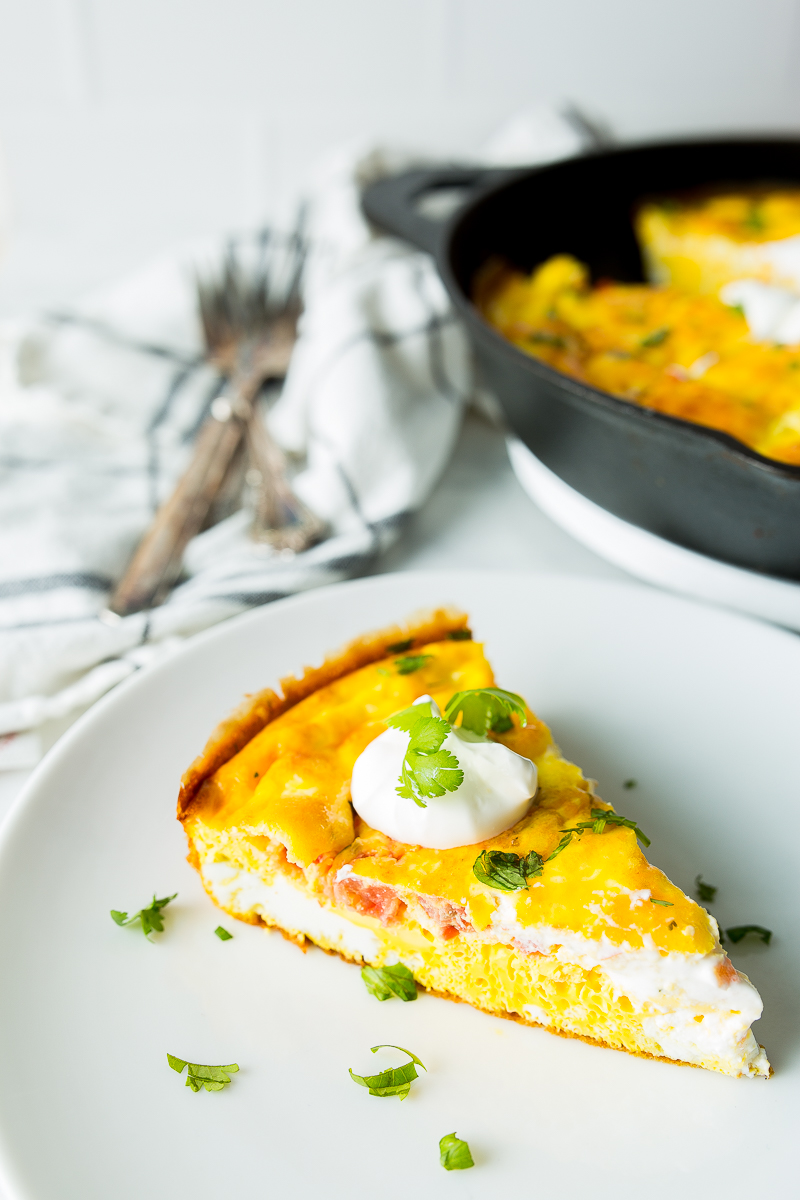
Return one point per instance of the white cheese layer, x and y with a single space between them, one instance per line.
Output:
686 1002
279 902
497 790
682 1003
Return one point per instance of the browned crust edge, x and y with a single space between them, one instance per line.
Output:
255 712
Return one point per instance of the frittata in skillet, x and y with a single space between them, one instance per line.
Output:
685 354
713 337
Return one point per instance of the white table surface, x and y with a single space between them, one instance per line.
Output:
478 516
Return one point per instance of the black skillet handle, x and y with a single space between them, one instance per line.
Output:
394 204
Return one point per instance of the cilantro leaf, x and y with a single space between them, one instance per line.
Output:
506 871
454 1153
408 717
666 903
600 818
429 775
223 934
428 734
483 709
396 1081
385 982
460 635
603 818
741 931
655 338
400 647
213 1079
427 770
630 783
150 918
412 662
705 891
562 845
754 220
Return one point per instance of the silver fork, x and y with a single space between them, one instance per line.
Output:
250 338
249 321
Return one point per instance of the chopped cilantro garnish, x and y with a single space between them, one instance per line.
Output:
544 338
630 783
754 219
213 1079
150 917
741 931
396 1081
484 709
705 891
454 1153
600 818
223 934
666 903
385 982
562 845
412 662
427 769
506 871
656 338
400 647
460 635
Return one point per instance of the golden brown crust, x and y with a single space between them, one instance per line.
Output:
257 711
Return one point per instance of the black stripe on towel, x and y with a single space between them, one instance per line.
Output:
119 339
84 580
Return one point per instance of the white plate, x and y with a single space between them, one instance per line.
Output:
650 557
700 706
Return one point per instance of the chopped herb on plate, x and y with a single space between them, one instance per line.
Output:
705 891
396 1081
741 931
385 982
454 1154
198 1076
150 918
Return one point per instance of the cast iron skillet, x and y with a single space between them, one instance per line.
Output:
691 485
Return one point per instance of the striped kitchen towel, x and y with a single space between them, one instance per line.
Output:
98 410
99 406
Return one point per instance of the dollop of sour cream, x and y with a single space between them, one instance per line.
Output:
498 789
772 313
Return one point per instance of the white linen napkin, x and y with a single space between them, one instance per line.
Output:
99 406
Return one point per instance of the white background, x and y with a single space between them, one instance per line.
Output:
129 124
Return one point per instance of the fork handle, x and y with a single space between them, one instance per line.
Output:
157 561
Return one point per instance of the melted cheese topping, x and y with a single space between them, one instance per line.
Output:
291 783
